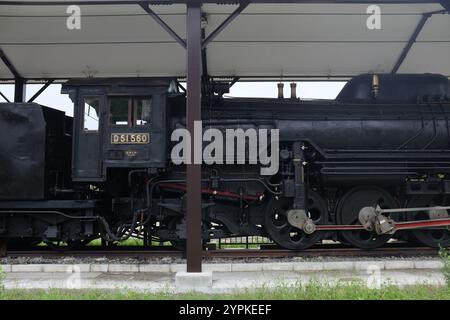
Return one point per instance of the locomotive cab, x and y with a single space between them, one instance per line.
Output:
118 123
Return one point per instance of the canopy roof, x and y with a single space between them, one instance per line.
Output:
265 41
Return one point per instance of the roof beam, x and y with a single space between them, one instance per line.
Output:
411 41
4 97
42 89
446 5
180 86
225 23
233 82
164 25
19 81
9 65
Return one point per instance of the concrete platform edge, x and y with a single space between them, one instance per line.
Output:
227 267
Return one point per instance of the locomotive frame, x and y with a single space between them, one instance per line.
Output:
335 186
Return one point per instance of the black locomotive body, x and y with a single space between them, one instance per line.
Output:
35 149
382 144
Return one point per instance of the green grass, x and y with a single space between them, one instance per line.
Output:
445 258
128 242
2 278
312 291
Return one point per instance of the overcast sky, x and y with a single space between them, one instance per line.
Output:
305 90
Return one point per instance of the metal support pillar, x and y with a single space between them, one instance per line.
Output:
20 91
193 113
193 44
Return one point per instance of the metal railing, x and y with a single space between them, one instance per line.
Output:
247 242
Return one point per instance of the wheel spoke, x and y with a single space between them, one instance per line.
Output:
286 235
429 237
348 213
283 228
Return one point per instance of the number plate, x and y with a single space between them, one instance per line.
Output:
130 138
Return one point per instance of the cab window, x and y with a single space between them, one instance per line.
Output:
143 108
130 112
119 111
91 114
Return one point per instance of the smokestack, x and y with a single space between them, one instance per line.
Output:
293 90
280 90
375 85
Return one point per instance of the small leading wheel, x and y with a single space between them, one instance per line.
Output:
432 237
176 224
173 224
286 235
348 214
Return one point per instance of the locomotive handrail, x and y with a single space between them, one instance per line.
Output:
434 136
419 132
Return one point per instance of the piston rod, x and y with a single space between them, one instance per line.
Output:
396 226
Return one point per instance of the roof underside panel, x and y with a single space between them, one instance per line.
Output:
296 59
428 59
297 40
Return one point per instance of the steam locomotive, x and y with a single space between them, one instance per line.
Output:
370 166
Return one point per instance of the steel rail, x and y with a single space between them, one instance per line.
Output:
234 253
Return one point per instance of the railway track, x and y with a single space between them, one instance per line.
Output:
266 252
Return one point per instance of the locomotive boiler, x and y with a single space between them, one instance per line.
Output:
371 165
